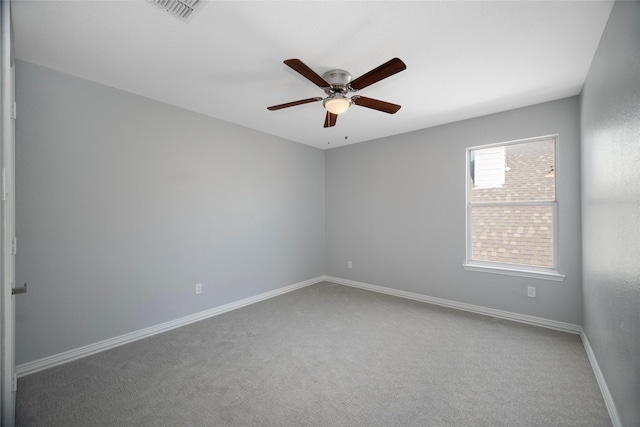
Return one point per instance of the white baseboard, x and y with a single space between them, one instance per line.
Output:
68 356
606 395
522 318
532 320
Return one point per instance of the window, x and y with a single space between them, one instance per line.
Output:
512 208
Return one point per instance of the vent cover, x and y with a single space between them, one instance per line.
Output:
181 9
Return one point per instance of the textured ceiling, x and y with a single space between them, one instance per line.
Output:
464 59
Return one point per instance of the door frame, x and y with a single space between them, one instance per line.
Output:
7 219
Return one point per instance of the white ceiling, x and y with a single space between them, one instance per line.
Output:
464 59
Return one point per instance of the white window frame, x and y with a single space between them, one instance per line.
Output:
520 270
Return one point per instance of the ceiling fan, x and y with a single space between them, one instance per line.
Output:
338 83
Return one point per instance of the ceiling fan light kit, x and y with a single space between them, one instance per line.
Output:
336 84
336 103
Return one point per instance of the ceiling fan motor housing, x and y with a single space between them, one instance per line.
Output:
338 79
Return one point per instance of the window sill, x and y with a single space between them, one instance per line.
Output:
515 271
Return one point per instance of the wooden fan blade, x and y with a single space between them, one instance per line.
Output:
387 69
307 72
385 107
330 120
293 104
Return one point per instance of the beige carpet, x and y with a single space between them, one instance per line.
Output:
327 355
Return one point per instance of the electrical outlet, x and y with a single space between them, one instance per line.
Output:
199 288
349 264
531 291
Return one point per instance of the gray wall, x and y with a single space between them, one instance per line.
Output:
611 208
396 208
124 204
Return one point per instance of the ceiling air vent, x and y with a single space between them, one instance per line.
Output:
181 9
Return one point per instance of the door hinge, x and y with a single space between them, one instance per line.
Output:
14 110
14 246
14 386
